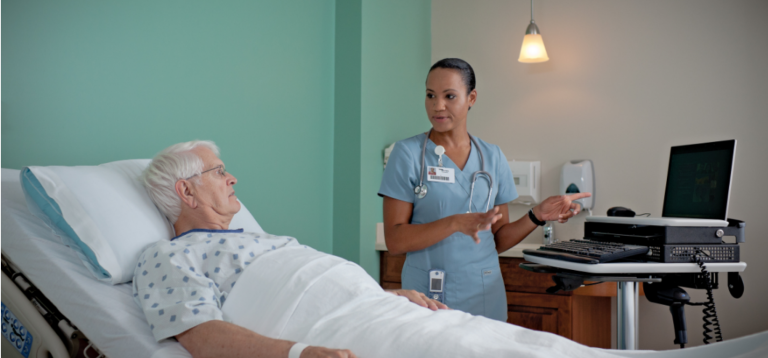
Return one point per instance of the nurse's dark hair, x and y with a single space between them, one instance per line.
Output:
466 71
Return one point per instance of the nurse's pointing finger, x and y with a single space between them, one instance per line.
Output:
578 196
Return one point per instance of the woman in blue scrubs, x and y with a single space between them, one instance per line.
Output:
436 230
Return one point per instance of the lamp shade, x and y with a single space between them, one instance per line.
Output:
533 49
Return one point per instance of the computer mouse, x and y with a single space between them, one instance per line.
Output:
620 211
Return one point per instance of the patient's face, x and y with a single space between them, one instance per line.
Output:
216 192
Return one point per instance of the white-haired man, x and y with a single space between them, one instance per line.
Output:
182 284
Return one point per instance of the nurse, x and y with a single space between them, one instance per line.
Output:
430 215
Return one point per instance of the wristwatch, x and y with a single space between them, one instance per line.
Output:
534 219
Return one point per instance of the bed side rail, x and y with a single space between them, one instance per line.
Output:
56 335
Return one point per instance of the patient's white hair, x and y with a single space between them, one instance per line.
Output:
167 167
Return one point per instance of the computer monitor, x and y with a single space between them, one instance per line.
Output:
699 180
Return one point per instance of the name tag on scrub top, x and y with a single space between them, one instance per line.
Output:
441 175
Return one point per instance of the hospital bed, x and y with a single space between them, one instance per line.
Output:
102 313
48 289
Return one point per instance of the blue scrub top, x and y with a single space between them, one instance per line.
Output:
473 280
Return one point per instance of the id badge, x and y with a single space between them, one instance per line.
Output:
436 285
441 175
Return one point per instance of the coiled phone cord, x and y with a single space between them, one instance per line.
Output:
710 313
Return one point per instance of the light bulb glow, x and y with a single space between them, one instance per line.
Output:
533 49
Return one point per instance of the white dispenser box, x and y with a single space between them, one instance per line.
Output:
578 176
527 177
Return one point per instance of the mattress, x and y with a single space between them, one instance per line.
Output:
106 314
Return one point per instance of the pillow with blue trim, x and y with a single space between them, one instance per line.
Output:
104 213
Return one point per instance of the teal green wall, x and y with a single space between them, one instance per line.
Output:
380 77
346 150
87 82
301 96
397 51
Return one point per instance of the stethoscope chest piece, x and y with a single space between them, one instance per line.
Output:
420 191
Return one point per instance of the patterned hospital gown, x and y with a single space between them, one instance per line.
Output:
184 282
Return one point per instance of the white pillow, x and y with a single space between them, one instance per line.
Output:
244 220
105 213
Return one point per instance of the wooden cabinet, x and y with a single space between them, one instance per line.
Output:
583 315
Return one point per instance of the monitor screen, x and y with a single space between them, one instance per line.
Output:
699 180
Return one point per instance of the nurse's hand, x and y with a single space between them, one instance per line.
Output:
560 207
420 299
471 224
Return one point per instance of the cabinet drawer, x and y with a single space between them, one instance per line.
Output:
542 312
391 285
391 267
519 280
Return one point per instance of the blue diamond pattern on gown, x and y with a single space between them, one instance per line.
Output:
199 278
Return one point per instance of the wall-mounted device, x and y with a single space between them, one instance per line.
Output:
578 176
387 152
527 177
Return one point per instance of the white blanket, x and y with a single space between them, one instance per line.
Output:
324 300
307 296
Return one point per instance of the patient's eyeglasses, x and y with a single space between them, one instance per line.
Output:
221 171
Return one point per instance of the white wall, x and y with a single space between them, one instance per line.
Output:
626 81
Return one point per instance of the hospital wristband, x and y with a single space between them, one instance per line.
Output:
296 350
535 220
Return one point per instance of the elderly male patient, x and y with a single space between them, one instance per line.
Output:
228 293
182 284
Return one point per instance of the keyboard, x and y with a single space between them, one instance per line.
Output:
587 251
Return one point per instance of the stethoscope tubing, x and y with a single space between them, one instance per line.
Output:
482 171
472 189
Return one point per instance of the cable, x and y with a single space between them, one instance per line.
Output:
593 283
644 214
710 313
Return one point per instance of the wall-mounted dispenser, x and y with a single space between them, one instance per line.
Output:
578 176
527 177
387 152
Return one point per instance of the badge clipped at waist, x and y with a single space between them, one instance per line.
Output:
441 175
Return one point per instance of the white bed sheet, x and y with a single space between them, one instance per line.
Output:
106 314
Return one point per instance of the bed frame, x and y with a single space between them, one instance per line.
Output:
29 315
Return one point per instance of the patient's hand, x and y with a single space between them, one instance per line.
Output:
322 352
420 299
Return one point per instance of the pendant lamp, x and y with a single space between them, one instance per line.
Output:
533 50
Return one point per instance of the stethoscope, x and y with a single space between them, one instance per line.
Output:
421 189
